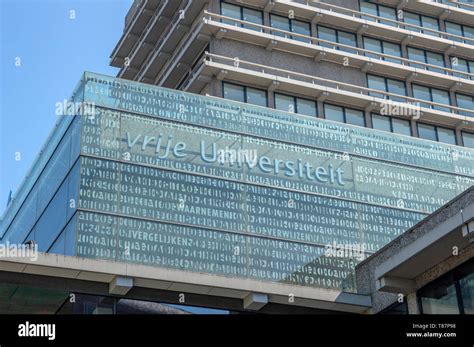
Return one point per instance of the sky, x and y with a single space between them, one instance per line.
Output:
55 41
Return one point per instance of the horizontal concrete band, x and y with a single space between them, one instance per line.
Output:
83 269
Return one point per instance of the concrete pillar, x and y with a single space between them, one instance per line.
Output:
412 304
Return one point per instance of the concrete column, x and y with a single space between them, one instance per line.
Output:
412 304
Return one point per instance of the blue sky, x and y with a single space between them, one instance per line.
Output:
54 50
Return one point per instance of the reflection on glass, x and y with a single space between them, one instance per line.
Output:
285 103
306 107
468 139
381 122
234 92
454 29
302 28
229 10
335 113
279 22
355 117
446 135
252 16
466 102
440 299
257 97
426 131
466 285
401 126
327 34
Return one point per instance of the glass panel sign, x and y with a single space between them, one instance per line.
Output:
203 184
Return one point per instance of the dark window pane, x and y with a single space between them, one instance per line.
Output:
423 93
381 123
430 23
377 83
234 92
412 18
435 59
426 131
468 139
232 11
454 29
257 97
389 13
334 113
396 87
328 35
285 103
467 292
281 23
417 55
372 45
306 107
401 126
347 39
440 97
467 102
440 300
355 117
302 28
367 7
446 136
252 16
392 49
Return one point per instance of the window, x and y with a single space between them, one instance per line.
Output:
390 124
344 115
337 36
465 101
467 139
291 25
466 286
379 11
241 13
421 21
440 300
460 30
452 293
436 133
383 47
462 65
245 94
387 85
426 57
434 95
294 104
